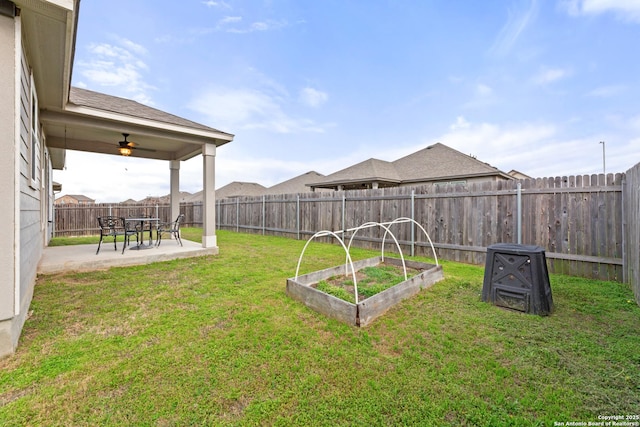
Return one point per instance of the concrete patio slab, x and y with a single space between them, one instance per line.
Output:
59 259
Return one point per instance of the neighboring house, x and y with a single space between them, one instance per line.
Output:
518 175
164 200
74 199
240 189
436 163
42 116
295 185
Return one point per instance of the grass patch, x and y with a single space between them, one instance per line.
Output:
216 341
371 280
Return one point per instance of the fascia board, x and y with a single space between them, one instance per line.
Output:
84 113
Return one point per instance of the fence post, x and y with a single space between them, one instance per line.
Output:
237 213
519 209
413 224
344 207
298 216
264 213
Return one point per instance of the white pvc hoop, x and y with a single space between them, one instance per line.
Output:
349 261
373 224
403 220
325 233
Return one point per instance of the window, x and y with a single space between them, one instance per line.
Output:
34 143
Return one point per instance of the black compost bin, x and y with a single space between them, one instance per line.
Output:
516 277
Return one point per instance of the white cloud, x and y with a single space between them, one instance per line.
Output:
267 25
230 20
517 22
460 123
624 10
236 25
606 91
483 90
220 4
250 109
313 97
482 97
119 67
550 75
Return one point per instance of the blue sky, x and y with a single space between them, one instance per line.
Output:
304 85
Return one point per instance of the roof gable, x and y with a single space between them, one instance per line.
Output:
297 184
369 170
240 189
436 162
439 161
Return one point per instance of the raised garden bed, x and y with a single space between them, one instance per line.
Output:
369 307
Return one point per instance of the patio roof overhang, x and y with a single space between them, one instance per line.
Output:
84 129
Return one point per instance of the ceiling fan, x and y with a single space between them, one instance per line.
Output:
126 146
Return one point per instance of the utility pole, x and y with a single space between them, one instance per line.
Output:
604 168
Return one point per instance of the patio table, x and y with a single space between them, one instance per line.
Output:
142 221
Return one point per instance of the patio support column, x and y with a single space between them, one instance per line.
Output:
209 239
174 165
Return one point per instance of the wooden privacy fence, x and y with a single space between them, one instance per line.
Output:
576 219
81 220
631 216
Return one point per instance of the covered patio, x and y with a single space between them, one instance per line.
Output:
97 123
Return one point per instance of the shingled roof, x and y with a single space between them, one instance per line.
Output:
240 189
114 104
435 163
438 162
297 184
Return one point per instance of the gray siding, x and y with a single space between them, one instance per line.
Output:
31 237
7 177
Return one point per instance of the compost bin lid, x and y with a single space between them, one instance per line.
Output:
515 248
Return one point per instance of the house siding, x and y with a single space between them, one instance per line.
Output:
8 178
31 232
24 193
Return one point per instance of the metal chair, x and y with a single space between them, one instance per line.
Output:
173 228
127 229
112 226
108 226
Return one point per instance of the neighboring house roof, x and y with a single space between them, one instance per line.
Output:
364 172
518 175
195 197
164 200
77 197
297 184
436 162
240 189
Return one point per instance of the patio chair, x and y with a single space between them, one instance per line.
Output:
107 226
173 228
127 229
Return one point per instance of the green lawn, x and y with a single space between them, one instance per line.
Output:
216 341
